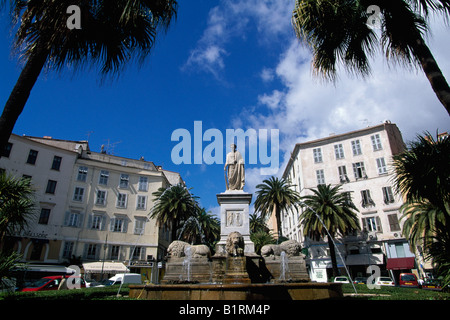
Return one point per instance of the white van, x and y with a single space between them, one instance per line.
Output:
127 278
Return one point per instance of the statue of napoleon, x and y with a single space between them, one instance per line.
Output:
236 175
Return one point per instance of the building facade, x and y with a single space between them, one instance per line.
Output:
360 161
98 210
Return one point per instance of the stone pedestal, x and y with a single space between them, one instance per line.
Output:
234 216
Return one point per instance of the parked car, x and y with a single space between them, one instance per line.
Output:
384 281
341 280
127 278
51 283
408 280
432 284
360 280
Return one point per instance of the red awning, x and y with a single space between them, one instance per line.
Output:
400 263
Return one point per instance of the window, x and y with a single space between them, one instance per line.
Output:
376 142
68 249
388 196
143 183
115 250
320 177
118 224
97 221
339 151
82 174
121 200
78 194
141 202
103 179
393 222
32 156
356 147
139 225
343 174
381 165
372 224
124 179
73 219
359 170
92 251
138 253
56 163
366 200
51 187
43 217
36 251
317 152
7 150
100 198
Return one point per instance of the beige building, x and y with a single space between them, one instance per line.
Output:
360 162
102 212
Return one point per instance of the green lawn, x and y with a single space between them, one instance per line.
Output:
392 293
110 293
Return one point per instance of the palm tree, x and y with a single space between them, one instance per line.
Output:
173 206
257 224
274 196
328 212
422 177
203 227
422 172
16 212
112 33
338 32
16 205
260 239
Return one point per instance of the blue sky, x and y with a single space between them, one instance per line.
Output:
229 64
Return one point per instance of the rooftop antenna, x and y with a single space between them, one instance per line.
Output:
109 147
365 122
89 135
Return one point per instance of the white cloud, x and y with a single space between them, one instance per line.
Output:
308 109
232 19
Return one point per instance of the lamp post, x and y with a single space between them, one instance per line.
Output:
334 243
104 255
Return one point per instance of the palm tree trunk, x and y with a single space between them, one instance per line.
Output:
20 93
433 72
333 257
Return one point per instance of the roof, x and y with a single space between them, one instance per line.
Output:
332 138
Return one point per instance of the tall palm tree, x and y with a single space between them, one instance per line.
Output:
257 224
16 205
16 212
173 206
274 196
327 208
203 227
422 177
112 33
338 33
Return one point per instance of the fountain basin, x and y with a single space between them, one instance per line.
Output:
238 291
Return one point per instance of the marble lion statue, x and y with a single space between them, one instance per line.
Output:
235 244
178 249
291 247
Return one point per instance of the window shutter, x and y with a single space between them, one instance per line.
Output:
125 225
143 255
80 220
379 227
89 226
103 226
111 224
66 218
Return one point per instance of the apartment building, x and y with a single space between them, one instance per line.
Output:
360 161
103 202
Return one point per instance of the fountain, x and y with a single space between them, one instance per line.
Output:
235 271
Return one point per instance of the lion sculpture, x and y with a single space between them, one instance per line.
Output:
178 249
291 247
235 244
